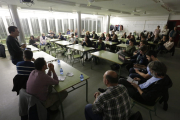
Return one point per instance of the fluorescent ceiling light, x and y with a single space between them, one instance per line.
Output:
90 7
112 10
125 12
59 1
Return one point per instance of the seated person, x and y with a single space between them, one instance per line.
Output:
52 35
24 68
108 37
100 45
68 32
129 36
102 36
152 89
114 39
149 38
86 43
156 39
133 39
112 33
83 32
167 46
129 50
113 104
94 35
163 40
124 35
88 34
140 36
72 39
142 71
39 84
61 37
76 33
142 43
43 39
71 32
32 41
138 59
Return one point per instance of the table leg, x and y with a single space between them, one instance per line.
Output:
87 91
62 110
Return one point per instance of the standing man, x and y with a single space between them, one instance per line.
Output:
113 104
173 33
13 45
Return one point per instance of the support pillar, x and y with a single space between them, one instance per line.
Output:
79 24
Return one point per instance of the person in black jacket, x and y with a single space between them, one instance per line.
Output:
114 39
61 37
32 41
94 35
86 43
13 45
149 91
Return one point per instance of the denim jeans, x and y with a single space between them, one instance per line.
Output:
90 115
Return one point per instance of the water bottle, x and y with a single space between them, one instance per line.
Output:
61 71
81 77
58 62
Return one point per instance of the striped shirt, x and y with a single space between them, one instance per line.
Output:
25 67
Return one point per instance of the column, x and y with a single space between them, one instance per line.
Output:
16 20
108 24
79 24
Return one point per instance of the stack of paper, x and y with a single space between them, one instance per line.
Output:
131 80
61 78
69 74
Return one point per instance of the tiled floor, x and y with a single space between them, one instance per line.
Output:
75 102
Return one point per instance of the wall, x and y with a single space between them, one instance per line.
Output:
174 17
139 23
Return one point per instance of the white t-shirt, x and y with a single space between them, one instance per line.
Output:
164 31
72 40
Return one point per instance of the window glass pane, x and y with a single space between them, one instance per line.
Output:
86 25
98 26
60 25
90 25
82 24
44 26
94 25
9 21
25 27
66 25
52 25
35 26
3 33
72 24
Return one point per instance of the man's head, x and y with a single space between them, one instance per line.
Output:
32 37
93 32
143 49
130 33
100 39
142 43
40 64
72 35
158 26
151 55
131 43
157 69
175 28
170 39
110 78
28 55
13 30
59 34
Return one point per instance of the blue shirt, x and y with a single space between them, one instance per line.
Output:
149 82
25 67
148 71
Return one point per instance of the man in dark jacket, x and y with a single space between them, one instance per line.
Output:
94 35
61 37
13 45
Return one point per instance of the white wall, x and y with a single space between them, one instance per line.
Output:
138 24
174 17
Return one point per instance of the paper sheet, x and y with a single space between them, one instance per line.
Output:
131 80
70 74
61 78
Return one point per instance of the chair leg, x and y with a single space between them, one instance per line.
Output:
150 114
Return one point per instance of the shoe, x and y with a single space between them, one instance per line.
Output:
165 106
101 90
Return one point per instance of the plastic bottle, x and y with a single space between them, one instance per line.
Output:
81 77
61 71
58 62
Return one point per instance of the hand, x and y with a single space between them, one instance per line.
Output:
51 67
96 94
135 65
136 70
134 85
137 79
23 46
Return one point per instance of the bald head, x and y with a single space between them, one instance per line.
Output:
111 77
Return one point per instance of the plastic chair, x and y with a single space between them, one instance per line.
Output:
75 57
149 108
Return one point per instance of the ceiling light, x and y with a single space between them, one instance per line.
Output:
125 12
112 10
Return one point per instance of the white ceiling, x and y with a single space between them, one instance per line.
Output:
151 8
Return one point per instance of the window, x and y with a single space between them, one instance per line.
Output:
94 25
35 26
3 33
66 25
60 25
25 27
86 25
44 26
90 25
72 24
52 25
76 24
82 25
98 26
9 21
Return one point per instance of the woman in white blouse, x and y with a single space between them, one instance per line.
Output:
43 39
168 45
165 31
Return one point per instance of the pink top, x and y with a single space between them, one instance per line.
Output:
157 31
38 84
107 39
